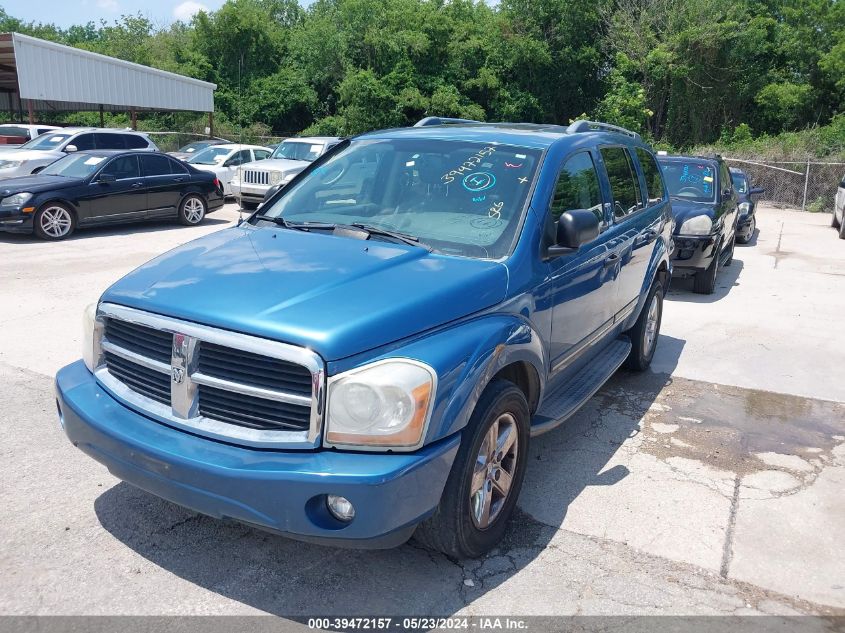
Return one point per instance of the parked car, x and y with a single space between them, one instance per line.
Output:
46 148
251 182
186 151
704 203
223 160
16 134
104 187
746 223
369 355
837 221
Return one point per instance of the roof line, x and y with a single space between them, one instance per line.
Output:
35 41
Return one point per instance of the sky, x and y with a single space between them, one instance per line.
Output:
64 13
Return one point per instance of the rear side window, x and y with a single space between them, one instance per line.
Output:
109 141
655 191
577 187
155 165
177 167
83 142
624 183
134 141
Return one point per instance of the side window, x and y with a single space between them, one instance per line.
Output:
154 165
261 154
177 167
83 142
577 187
41 131
624 183
655 191
238 159
123 167
725 177
109 141
135 141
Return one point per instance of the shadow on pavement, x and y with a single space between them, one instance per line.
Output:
289 578
726 279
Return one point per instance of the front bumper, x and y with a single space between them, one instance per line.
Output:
13 221
250 193
281 491
693 254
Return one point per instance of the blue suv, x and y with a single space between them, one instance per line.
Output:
368 355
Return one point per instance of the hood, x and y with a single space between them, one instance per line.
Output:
278 164
335 295
180 155
36 183
684 209
28 154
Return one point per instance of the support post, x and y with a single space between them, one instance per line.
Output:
806 183
102 120
211 125
134 117
29 111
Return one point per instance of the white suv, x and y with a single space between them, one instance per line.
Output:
43 150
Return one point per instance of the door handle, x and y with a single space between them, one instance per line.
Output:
646 238
179 179
137 185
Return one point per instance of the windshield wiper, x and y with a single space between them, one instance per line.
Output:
300 226
412 240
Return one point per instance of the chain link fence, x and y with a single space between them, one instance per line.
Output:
808 185
172 141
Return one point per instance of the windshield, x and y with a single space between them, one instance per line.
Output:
298 150
740 183
210 156
460 198
47 141
190 148
690 180
74 166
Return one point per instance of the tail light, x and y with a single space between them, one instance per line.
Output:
217 183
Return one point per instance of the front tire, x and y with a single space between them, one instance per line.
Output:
646 330
192 210
486 478
751 229
704 282
54 221
842 231
833 221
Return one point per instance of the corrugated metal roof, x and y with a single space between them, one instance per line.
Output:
58 77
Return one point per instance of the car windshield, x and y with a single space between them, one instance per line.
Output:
196 146
458 198
46 141
690 180
740 183
298 150
210 156
74 166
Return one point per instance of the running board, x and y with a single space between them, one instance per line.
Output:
559 405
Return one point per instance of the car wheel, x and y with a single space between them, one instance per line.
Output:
486 478
192 210
704 282
751 228
54 221
833 221
646 330
842 230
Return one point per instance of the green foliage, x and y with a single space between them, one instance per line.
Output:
739 74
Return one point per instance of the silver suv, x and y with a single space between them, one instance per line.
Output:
44 149
252 180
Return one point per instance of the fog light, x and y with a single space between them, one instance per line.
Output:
341 508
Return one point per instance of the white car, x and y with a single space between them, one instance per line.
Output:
19 133
223 160
43 150
838 219
251 182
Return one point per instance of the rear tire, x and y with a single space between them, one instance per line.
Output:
473 512
646 330
192 210
833 221
842 231
54 221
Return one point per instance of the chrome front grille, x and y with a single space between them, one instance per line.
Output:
225 385
253 177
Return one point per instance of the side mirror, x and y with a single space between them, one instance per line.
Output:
574 228
106 178
38 169
70 149
756 191
727 193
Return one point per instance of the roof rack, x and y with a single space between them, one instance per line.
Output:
590 126
438 120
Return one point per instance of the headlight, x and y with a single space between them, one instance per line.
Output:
275 177
699 225
16 200
744 208
91 334
8 164
385 404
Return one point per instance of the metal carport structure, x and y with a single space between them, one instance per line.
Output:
37 75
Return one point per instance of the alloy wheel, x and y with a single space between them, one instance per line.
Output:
194 210
493 472
650 330
56 221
